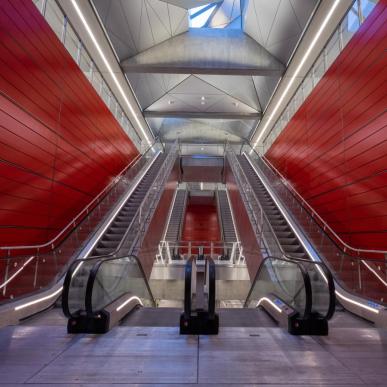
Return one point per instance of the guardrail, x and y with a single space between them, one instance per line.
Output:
218 251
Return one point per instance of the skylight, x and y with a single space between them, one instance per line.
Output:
220 14
199 16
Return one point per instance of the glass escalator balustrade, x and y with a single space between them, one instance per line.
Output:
356 273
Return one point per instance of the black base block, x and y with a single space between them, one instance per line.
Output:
311 326
85 324
199 324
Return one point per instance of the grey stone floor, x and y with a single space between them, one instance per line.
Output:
40 352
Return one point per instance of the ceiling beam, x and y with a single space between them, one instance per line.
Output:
206 115
206 51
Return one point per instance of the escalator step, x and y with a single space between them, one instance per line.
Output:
102 251
113 237
109 244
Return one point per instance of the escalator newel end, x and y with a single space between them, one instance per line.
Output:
317 326
199 323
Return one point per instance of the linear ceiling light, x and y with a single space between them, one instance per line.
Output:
94 40
294 76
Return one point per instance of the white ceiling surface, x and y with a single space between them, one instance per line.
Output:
135 26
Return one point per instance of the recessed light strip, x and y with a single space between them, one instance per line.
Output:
94 40
270 302
127 302
56 293
299 67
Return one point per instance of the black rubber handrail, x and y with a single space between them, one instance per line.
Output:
301 262
329 279
306 281
73 268
211 268
187 288
93 275
211 287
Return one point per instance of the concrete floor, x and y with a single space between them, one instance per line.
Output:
41 353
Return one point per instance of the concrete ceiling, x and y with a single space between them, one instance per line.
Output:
204 85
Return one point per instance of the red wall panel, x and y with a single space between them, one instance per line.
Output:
201 221
334 149
59 143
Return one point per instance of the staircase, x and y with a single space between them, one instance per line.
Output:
286 237
114 234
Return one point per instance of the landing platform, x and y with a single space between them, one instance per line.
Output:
43 355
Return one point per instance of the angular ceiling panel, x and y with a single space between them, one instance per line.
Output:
145 35
285 24
204 85
203 130
272 23
159 29
265 87
140 24
195 95
194 85
303 10
177 16
151 87
239 87
161 9
206 51
188 4
265 13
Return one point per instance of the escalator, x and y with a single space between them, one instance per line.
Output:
110 240
285 235
289 229
297 294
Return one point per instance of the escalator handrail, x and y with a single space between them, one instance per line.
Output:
188 287
113 253
306 281
327 275
85 210
264 216
93 275
211 286
313 214
69 276
316 220
117 249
